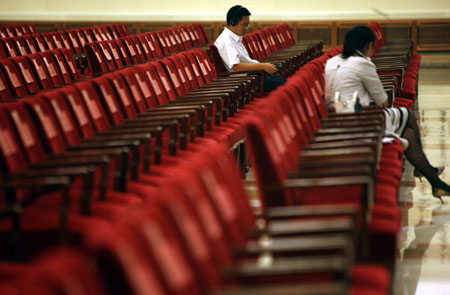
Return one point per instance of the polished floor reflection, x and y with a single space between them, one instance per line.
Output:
423 265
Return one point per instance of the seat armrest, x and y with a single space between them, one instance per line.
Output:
308 211
335 265
337 243
324 288
61 183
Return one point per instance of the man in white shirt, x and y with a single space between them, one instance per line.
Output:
233 53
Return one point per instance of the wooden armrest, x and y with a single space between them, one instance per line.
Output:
367 198
324 288
226 98
369 142
18 181
72 162
142 136
299 246
59 182
336 265
332 170
91 152
161 122
349 122
183 120
205 105
53 171
121 153
308 211
355 160
218 103
261 74
105 144
307 227
348 136
230 74
133 145
329 225
372 110
234 91
189 120
198 111
86 172
343 130
340 152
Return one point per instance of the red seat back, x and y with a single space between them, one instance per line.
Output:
15 83
26 73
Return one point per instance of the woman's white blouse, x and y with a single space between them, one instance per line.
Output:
355 73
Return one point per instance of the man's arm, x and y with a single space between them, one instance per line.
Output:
268 67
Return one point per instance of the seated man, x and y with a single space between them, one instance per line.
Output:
233 53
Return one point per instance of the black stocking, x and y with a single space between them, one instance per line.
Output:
418 159
412 123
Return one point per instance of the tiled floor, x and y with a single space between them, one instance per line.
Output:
423 266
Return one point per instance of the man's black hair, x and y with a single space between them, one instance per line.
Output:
357 38
235 14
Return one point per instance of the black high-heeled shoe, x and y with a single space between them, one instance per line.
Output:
439 193
419 174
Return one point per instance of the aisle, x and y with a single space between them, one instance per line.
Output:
423 267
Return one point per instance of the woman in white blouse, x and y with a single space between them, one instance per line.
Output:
353 71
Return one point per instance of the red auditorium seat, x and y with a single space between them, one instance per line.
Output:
49 41
15 83
30 43
5 92
52 68
63 69
41 43
75 41
9 47
26 73
40 71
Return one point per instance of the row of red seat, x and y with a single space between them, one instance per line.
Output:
24 75
398 59
177 235
184 239
53 65
104 56
73 40
183 38
173 227
347 137
303 156
58 120
17 30
266 42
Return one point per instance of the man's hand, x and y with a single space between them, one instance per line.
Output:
269 68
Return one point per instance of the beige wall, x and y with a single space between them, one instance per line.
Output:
214 10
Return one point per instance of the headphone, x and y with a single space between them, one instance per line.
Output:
234 21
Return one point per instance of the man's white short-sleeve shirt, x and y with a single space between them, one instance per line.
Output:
355 73
231 50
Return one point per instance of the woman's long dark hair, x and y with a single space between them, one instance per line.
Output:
357 38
